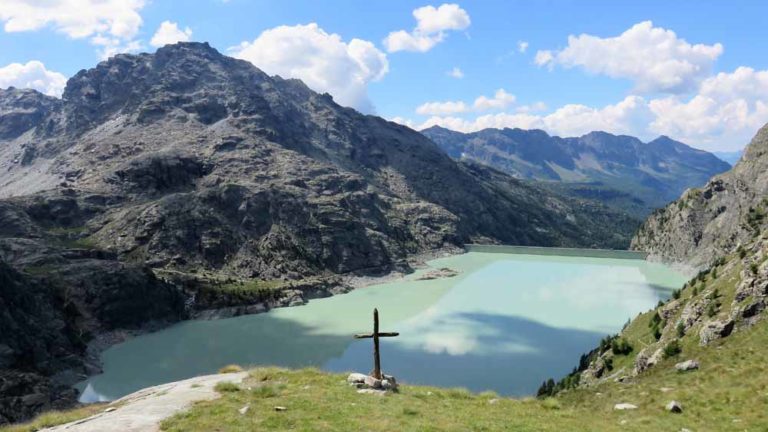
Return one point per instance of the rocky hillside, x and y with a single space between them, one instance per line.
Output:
709 222
618 170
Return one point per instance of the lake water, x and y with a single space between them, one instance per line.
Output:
506 323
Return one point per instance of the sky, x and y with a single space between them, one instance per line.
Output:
696 71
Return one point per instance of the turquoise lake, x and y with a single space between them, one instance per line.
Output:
505 323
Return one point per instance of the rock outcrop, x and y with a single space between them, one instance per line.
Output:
710 222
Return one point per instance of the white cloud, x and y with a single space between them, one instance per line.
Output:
522 47
431 25
727 111
442 108
543 58
500 100
323 61
33 75
534 107
456 73
170 33
655 59
109 24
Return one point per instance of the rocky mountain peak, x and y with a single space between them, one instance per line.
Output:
709 222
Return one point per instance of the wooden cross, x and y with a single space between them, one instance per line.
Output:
376 335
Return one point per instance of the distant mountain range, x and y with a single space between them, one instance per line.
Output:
619 170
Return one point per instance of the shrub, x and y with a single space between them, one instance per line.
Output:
656 333
621 346
742 252
712 309
230 369
680 329
676 294
672 349
655 320
753 268
227 387
695 291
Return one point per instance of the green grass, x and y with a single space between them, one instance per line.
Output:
54 418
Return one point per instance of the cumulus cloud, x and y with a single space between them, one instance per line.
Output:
170 33
109 24
432 23
728 109
322 60
654 58
522 47
442 108
456 73
500 100
33 75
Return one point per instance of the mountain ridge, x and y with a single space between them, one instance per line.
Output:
655 172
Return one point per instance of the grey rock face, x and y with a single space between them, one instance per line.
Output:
714 330
710 222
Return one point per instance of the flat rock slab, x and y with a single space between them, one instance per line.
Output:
144 410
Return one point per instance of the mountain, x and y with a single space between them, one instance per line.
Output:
161 186
619 170
707 223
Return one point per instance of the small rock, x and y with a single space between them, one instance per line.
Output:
687 365
372 382
493 401
280 408
685 430
666 389
355 378
110 409
674 407
624 406
245 409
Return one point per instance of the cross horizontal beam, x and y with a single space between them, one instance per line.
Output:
381 334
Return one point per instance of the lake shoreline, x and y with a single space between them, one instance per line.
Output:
105 340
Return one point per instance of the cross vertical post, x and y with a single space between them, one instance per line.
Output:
376 356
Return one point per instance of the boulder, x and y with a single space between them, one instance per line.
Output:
687 365
674 407
372 382
714 330
356 378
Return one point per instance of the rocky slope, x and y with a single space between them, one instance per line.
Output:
712 221
164 185
618 170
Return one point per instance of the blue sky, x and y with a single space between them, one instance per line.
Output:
709 89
